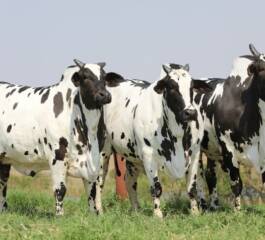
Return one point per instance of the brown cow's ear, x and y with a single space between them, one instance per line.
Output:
201 86
160 86
76 79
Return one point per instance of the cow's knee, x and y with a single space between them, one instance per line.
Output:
156 190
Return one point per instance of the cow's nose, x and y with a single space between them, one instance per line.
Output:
189 114
108 97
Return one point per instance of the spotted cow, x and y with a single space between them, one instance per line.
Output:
55 128
154 125
234 123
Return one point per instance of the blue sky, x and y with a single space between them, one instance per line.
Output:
39 39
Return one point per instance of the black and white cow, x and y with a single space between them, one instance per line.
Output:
234 116
154 125
55 127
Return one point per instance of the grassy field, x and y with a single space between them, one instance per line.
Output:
31 215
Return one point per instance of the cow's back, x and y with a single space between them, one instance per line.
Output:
33 119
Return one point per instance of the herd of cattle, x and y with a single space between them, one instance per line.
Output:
73 127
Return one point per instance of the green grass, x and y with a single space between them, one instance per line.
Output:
31 216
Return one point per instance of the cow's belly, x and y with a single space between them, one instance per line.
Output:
249 156
176 167
29 168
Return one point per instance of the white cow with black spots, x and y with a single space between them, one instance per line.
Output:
55 127
154 126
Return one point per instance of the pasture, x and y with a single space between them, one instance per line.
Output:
31 213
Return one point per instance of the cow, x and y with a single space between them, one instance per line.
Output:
154 126
56 128
234 131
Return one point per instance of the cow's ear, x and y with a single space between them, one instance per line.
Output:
186 67
160 86
201 86
166 69
101 64
252 68
113 79
76 79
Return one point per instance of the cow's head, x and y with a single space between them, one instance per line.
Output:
256 70
90 80
177 91
177 87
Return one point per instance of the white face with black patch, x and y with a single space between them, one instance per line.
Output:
90 80
183 79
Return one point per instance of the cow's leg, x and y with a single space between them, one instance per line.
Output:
58 173
94 200
211 181
131 175
151 170
4 175
231 167
191 177
94 196
200 186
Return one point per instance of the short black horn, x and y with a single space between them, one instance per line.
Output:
79 63
253 50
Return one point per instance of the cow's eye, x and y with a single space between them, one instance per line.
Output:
183 74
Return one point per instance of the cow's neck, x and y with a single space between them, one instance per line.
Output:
93 116
170 120
238 109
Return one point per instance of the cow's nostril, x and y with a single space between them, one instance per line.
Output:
189 114
101 94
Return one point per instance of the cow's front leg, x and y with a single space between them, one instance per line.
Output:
58 168
4 176
131 175
58 172
97 186
94 195
200 186
211 181
191 177
231 167
151 170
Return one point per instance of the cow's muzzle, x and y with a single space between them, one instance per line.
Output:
189 115
103 97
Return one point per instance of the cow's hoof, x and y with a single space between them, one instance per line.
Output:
4 207
195 211
158 213
135 208
97 212
237 208
213 208
59 213
203 206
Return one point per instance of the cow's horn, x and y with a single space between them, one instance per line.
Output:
253 50
79 63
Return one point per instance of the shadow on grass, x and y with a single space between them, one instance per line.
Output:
177 206
31 205
254 210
